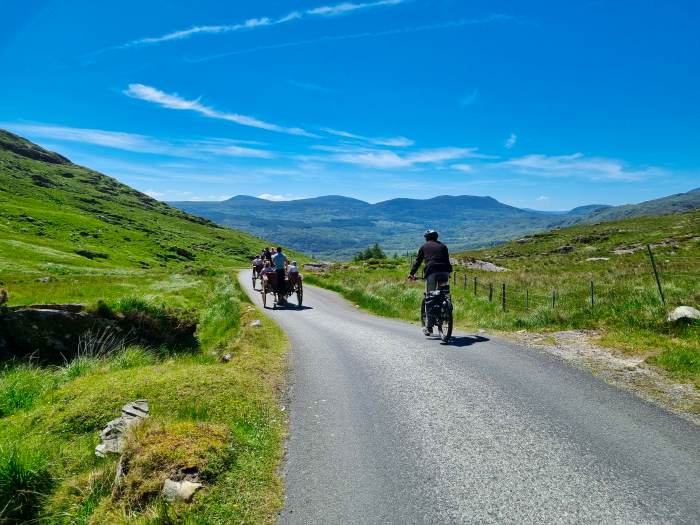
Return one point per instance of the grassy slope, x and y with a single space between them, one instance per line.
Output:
50 211
50 418
627 309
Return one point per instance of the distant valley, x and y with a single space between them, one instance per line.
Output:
338 227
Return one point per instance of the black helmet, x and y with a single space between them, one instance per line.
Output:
430 235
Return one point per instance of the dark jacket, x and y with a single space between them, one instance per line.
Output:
436 257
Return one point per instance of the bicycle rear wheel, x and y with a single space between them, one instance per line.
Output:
445 326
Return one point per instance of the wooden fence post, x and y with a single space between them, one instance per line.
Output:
503 297
454 279
592 296
465 281
475 283
554 297
490 292
656 274
527 299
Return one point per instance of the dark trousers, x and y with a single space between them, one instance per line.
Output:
281 284
432 280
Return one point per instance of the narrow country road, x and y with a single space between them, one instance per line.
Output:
387 426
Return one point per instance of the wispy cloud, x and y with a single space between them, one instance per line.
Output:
470 98
398 142
174 101
138 143
368 34
510 142
255 23
542 198
464 168
578 166
386 159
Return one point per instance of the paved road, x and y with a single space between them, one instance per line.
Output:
389 427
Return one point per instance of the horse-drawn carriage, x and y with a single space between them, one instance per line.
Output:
293 285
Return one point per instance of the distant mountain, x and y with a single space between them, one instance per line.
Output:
338 227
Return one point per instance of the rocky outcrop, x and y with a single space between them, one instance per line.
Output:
114 434
53 333
476 264
46 332
318 267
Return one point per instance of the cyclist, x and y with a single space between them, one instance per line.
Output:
437 264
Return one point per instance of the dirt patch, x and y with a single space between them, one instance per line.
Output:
579 348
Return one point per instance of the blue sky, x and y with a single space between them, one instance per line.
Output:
540 104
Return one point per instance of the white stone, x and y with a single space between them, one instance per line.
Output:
683 312
180 490
255 324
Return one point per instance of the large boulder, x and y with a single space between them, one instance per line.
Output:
684 313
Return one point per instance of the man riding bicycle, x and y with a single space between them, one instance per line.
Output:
437 264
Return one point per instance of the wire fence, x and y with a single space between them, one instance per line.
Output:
664 275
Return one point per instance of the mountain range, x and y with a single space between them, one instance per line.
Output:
338 227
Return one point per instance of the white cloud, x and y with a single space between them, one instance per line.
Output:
353 36
110 139
542 198
511 141
276 198
385 159
253 23
470 98
399 142
174 101
138 143
578 166
465 168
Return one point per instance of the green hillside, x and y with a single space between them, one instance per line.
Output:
561 264
56 216
678 203
71 235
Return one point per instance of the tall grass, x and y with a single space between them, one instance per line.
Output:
21 386
220 319
25 479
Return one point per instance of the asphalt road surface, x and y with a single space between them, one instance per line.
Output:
388 426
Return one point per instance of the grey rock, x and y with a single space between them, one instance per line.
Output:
180 490
318 266
43 279
255 324
226 358
686 313
113 436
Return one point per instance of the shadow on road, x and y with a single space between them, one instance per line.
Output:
468 340
289 307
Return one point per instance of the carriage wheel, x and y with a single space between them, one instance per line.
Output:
300 294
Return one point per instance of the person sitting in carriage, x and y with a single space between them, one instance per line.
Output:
257 265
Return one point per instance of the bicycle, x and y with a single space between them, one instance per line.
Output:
436 310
